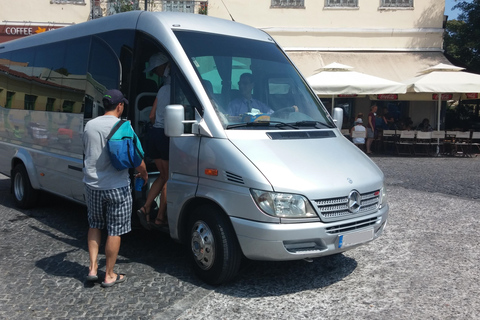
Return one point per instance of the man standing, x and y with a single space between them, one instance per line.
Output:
371 127
108 194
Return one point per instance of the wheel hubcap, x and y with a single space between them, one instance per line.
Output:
18 187
203 245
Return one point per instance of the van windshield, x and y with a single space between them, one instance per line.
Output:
251 83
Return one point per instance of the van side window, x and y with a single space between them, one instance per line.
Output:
49 72
104 68
183 94
4 70
74 72
20 64
109 62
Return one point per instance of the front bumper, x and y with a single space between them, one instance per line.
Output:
295 241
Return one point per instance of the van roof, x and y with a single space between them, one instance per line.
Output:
151 22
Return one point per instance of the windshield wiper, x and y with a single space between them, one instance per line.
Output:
276 124
312 123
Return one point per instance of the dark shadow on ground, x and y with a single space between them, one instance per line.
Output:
65 221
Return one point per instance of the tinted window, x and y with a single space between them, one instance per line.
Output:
250 81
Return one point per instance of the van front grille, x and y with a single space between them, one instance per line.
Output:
352 226
337 208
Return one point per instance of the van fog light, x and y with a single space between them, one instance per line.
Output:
283 205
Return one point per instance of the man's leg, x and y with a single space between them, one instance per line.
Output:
94 238
111 252
369 145
119 210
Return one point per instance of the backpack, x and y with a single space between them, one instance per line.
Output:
124 147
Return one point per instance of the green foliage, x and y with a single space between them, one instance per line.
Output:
125 5
462 36
203 8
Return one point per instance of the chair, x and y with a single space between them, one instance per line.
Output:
405 143
438 138
359 134
462 143
423 143
475 142
389 138
449 142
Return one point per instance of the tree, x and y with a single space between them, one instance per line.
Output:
462 36
124 5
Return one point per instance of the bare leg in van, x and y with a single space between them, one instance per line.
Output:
162 166
158 185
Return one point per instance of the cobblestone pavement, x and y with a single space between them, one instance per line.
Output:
425 266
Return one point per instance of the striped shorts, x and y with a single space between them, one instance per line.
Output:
111 209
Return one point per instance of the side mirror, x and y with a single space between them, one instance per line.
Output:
174 118
338 117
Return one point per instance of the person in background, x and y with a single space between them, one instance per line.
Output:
389 121
371 127
159 145
425 126
358 127
107 190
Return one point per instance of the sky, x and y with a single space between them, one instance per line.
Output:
452 15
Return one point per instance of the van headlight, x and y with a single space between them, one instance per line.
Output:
283 205
382 198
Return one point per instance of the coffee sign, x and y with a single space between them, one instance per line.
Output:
11 32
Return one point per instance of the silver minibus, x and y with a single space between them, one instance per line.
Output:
275 181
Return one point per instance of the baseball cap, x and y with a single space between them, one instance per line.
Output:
156 60
113 97
359 120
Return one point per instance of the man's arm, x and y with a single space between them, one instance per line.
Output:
142 172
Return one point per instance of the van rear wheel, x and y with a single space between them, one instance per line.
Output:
215 252
24 194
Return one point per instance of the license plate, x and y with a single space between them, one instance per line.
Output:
353 238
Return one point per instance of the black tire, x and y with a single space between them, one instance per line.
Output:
214 248
24 194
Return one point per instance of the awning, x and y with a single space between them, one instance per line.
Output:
395 66
338 78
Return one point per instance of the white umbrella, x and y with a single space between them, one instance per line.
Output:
337 78
444 78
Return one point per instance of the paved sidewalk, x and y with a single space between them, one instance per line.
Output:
423 267
44 261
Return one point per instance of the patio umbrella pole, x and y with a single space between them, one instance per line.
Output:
439 107
333 104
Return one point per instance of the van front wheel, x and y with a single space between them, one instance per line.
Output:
24 194
215 251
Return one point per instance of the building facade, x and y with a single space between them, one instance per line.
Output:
391 39
23 18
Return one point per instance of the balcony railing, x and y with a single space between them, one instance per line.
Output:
341 3
397 3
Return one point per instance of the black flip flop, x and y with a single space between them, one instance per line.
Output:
142 215
118 280
92 278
